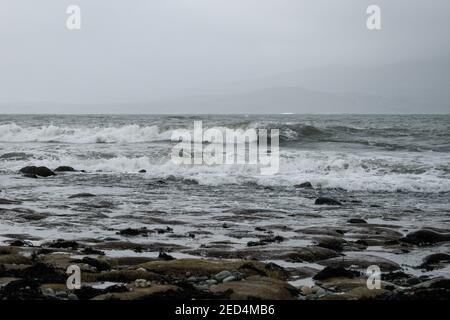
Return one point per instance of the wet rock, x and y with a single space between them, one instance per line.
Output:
200 267
164 256
38 171
87 293
222 275
89 250
361 261
20 243
327 201
29 175
16 156
257 288
308 254
100 265
425 237
153 292
163 231
332 243
332 272
265 241
82 195
434 260
304 185
6 201
34 216
327 231
126 275
356 220
439 282
134 232
62 244
22 290
229 279
65 169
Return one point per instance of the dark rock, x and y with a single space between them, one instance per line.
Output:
6 201
333 243
21 290
424 237
97 264
265 241
89 250
87 293
164 256
142 171
163 231
29 175
257 288
134 232
398 277
65 169
20 243
82 195
331 272
39 171
361 261
304 185
356 220
62 244
435 259
327 201
42 273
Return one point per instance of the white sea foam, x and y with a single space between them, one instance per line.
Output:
425 172
51 133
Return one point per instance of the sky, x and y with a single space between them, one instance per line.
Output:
151 52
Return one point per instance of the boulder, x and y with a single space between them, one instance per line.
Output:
156 291
435 259
425 236
304 185
257 288
38 171
200 267
332 272
327 201
356 220
361 261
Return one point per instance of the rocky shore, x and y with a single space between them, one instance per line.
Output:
320 250
39 272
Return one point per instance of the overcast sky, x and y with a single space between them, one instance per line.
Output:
146 50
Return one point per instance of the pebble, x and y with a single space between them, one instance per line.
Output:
305 290
229 279
141 283
223 275
48 292
72 296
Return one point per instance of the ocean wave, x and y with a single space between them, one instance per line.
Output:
79 135
364 171
290 134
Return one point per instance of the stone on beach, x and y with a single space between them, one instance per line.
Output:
38 171
327 201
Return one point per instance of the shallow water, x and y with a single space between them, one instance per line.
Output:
391 170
